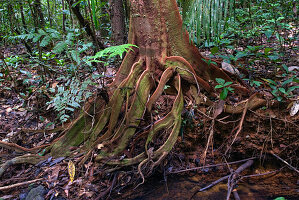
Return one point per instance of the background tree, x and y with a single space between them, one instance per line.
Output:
117 18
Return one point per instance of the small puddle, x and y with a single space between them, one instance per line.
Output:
180 187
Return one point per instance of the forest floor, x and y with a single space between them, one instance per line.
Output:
269 137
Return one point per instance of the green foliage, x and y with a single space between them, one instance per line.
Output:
253 82
225 87
206 20
111 52
69 97
14 61
282 90
280 198
44 36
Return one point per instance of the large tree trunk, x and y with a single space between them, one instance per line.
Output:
165 56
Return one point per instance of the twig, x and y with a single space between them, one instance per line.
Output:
209 166
20 184
232 180
211 185
17 148
214 183
265 116
210 138
108 190
285 162
262 174
240 126
236 195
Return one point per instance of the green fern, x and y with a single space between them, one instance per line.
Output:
111 52
69 97
45 41
60 47
46 36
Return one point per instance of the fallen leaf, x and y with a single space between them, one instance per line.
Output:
71 170
295 108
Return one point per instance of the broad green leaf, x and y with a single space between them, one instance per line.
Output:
292 88
270 81
287 81
45 41
228 83
273 57
220 81
223 94
76 56
231 89
285 68
282 90
267 50
60 47
219 86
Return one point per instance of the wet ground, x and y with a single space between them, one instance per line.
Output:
179 187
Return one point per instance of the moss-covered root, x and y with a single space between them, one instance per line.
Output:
171 120
25 159
136 111
78 133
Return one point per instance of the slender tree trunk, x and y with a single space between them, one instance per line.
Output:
91 17
85 24
39 13
34 16
63 16
14 26
23 17
11 18
49 13
117 18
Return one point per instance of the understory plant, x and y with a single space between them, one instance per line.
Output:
225 87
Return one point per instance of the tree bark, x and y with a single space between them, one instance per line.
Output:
39 13
117 19
23 17
49 13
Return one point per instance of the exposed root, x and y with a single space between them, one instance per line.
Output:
29 158
17 148
252 103
20 184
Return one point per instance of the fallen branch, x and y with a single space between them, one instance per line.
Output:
233 178
17 148
285 162
236 195
214 183
210 166
19 184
